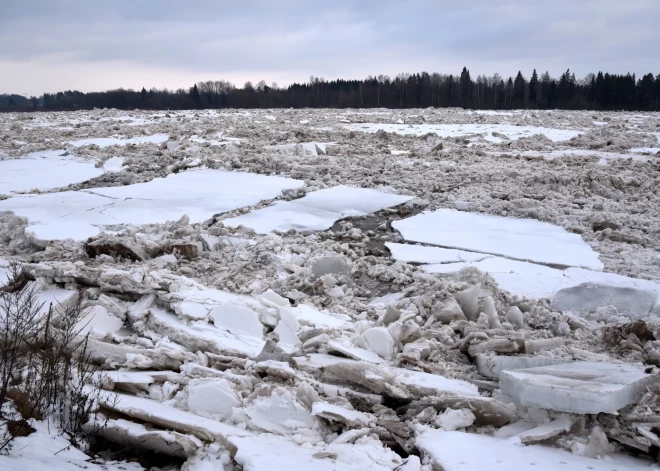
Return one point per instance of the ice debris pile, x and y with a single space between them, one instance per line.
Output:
338 290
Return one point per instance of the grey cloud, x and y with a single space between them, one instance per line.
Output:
337 39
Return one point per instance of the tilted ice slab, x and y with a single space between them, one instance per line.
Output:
458 451
519 239
571 289
424 384
457 130
169 417
199 194
44 171
580 387
317 210
120 141
589 296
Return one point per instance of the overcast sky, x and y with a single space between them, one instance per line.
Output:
88 45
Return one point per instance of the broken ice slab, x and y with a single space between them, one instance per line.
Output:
457 451
487 410
199 194
98 322
519 239
431 255
546 431
492 366
169 417
202 336
427 384
110 355
45 170
536 281
317 210
579 387
271 452
418 382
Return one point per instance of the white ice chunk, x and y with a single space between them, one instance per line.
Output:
279 413
456 451
114 164
98 322
311 316
317 210
214 399
301 149
427 384
520 239
335 413
59 299
354 352
237 320
380 341
579 387
546 431
451 419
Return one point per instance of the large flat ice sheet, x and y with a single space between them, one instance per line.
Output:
318 210
44 171
520 239
274 453
458 451
199 194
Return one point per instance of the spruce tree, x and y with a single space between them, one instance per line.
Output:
466 87
534 88
194 94
519 89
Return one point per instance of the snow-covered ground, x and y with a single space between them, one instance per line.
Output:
347 289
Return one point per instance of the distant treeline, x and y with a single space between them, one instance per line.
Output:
602 91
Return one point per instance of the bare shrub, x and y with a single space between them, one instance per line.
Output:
45 366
